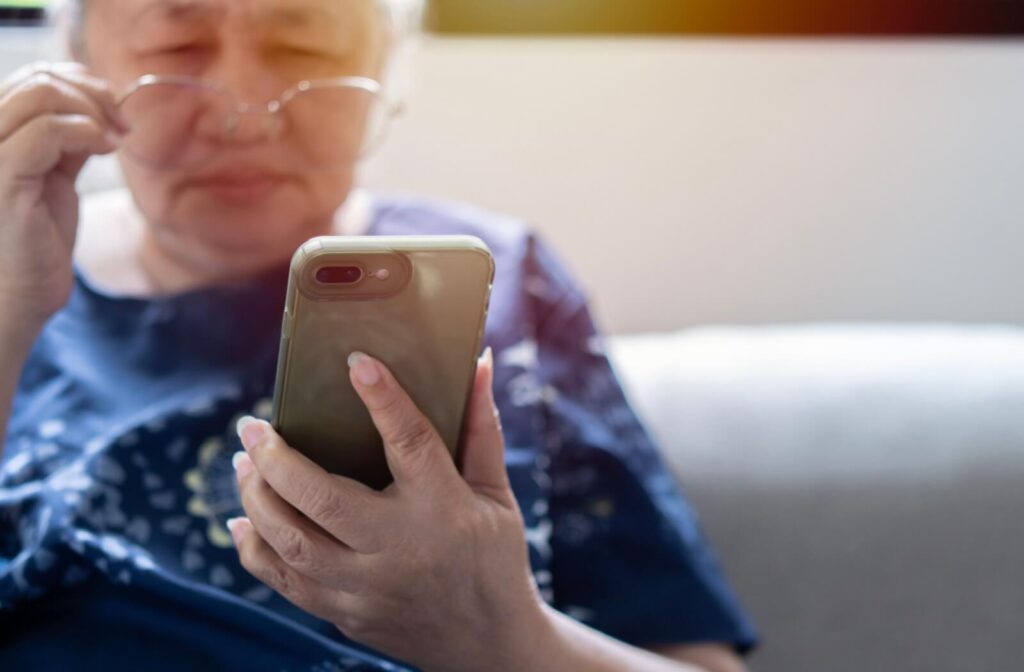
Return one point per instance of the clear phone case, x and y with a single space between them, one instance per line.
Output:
420 307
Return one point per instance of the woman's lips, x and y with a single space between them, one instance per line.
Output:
240 188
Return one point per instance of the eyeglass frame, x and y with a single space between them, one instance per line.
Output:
273 108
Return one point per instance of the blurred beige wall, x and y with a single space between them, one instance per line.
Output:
691 181
735 181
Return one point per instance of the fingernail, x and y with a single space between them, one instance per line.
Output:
236 529
242 463
364 367
250 430
489 360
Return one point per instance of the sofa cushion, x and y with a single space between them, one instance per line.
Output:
862 484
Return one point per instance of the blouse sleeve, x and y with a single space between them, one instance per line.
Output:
628 555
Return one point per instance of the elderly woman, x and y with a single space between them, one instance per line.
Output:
150 516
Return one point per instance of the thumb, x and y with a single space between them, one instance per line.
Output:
483 446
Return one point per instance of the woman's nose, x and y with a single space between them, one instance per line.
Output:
248 113
228 121
249 124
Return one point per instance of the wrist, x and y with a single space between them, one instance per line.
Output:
546 647
529 644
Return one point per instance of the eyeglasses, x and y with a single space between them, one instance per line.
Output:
181 122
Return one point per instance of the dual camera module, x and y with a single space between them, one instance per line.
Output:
354 275
347 275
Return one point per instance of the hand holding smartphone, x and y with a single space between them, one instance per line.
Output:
417 303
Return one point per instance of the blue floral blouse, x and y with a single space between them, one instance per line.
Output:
116 477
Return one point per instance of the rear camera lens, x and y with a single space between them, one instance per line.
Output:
339 275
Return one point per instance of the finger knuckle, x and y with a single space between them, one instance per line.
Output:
24 72
465 524
276 577
358 621
412 435
46 92
319 502
44 89
295 547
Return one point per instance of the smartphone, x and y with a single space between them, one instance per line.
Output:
416 303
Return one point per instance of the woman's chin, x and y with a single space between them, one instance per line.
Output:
226 198
242 194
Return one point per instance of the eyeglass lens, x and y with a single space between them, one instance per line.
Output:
179 125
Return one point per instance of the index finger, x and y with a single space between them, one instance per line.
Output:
97 90
101 91
345 508
415 452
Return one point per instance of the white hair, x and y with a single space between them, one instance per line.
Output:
405 18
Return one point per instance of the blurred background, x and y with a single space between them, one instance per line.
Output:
799 223
793 176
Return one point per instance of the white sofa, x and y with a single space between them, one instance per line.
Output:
863 485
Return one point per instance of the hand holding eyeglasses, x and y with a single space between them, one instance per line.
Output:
53 117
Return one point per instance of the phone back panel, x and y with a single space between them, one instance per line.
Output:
428 333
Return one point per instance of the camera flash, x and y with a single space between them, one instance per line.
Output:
382 274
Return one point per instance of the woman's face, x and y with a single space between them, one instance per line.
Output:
253 193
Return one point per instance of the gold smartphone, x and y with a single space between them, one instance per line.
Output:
417 303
